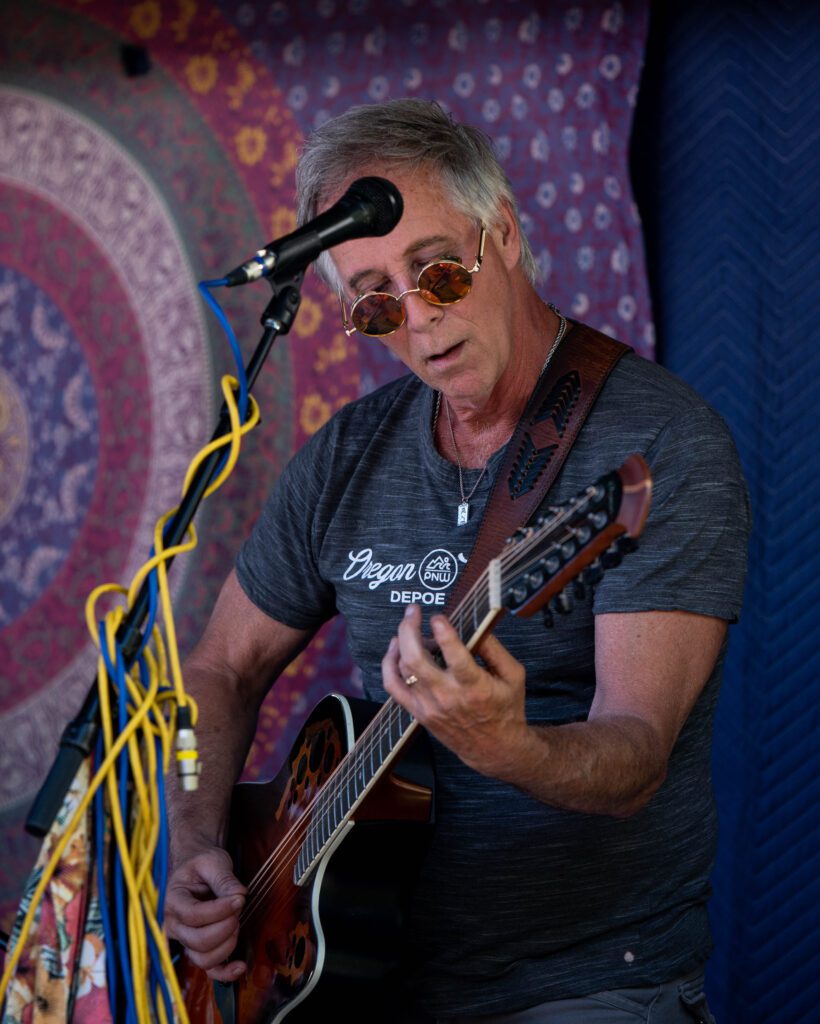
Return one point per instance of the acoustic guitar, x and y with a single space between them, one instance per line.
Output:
328 848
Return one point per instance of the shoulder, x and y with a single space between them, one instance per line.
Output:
362 430
646 404
693 550
689 448
651 389
674 413
388 404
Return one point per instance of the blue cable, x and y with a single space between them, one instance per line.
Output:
159 869
117 672
157 977
161 861
124 771
241 375
160 875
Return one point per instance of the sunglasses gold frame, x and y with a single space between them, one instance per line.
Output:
351 329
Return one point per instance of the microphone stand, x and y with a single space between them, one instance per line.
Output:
79 736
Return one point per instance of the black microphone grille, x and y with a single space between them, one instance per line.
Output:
384 199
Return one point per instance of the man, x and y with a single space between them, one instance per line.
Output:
567 876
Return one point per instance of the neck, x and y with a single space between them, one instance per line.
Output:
480 428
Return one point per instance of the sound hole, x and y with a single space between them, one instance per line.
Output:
317 749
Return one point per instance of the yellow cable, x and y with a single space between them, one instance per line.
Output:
103 775
233 439
152 718
137 940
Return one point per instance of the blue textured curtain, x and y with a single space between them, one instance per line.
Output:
726 156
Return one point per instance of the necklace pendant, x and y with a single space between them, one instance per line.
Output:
463 513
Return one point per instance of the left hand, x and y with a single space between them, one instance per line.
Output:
477 711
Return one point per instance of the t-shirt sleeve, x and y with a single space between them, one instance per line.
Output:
692 553
277 566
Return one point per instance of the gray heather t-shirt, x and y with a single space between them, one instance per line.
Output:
519 902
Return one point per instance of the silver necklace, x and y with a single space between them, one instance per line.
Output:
559 336
464 506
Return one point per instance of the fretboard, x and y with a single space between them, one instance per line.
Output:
375 750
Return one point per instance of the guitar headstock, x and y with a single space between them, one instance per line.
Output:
598 526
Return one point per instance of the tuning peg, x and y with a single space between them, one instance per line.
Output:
519 534
547 617
593 573
626 544
535 579
611 557
578 588
551 565
547 514
563 603
583 534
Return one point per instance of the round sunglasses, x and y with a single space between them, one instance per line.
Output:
441 283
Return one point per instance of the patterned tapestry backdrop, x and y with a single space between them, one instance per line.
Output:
119 191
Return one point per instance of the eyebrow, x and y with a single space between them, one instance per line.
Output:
423 243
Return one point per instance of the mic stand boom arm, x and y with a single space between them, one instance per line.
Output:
79 736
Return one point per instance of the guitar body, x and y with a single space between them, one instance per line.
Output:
333 941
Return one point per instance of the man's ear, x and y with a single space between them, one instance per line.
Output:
507 235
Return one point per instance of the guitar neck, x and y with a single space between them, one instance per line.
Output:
379 745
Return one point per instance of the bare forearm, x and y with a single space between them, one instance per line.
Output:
650 669
224 731
609 765
228 674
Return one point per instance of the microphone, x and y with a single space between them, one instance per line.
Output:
371 206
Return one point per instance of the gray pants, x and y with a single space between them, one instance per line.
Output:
676 1002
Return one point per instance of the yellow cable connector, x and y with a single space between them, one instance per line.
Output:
188 763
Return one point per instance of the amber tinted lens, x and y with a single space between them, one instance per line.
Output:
377 314
443 283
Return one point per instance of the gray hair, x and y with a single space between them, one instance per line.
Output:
408 133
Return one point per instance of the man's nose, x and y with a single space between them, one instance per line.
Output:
419 314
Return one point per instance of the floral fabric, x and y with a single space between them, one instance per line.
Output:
61 974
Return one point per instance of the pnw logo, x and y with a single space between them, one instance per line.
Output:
436 572
438 569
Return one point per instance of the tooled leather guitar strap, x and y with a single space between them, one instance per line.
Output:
545 433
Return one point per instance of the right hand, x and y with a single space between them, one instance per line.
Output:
202 906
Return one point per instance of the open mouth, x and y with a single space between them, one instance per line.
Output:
441 357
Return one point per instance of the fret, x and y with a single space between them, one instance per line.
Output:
357 771
360 778
384 745
321 829
338 807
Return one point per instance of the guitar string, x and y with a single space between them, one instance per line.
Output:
377 729
319 811
286 854
326 797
